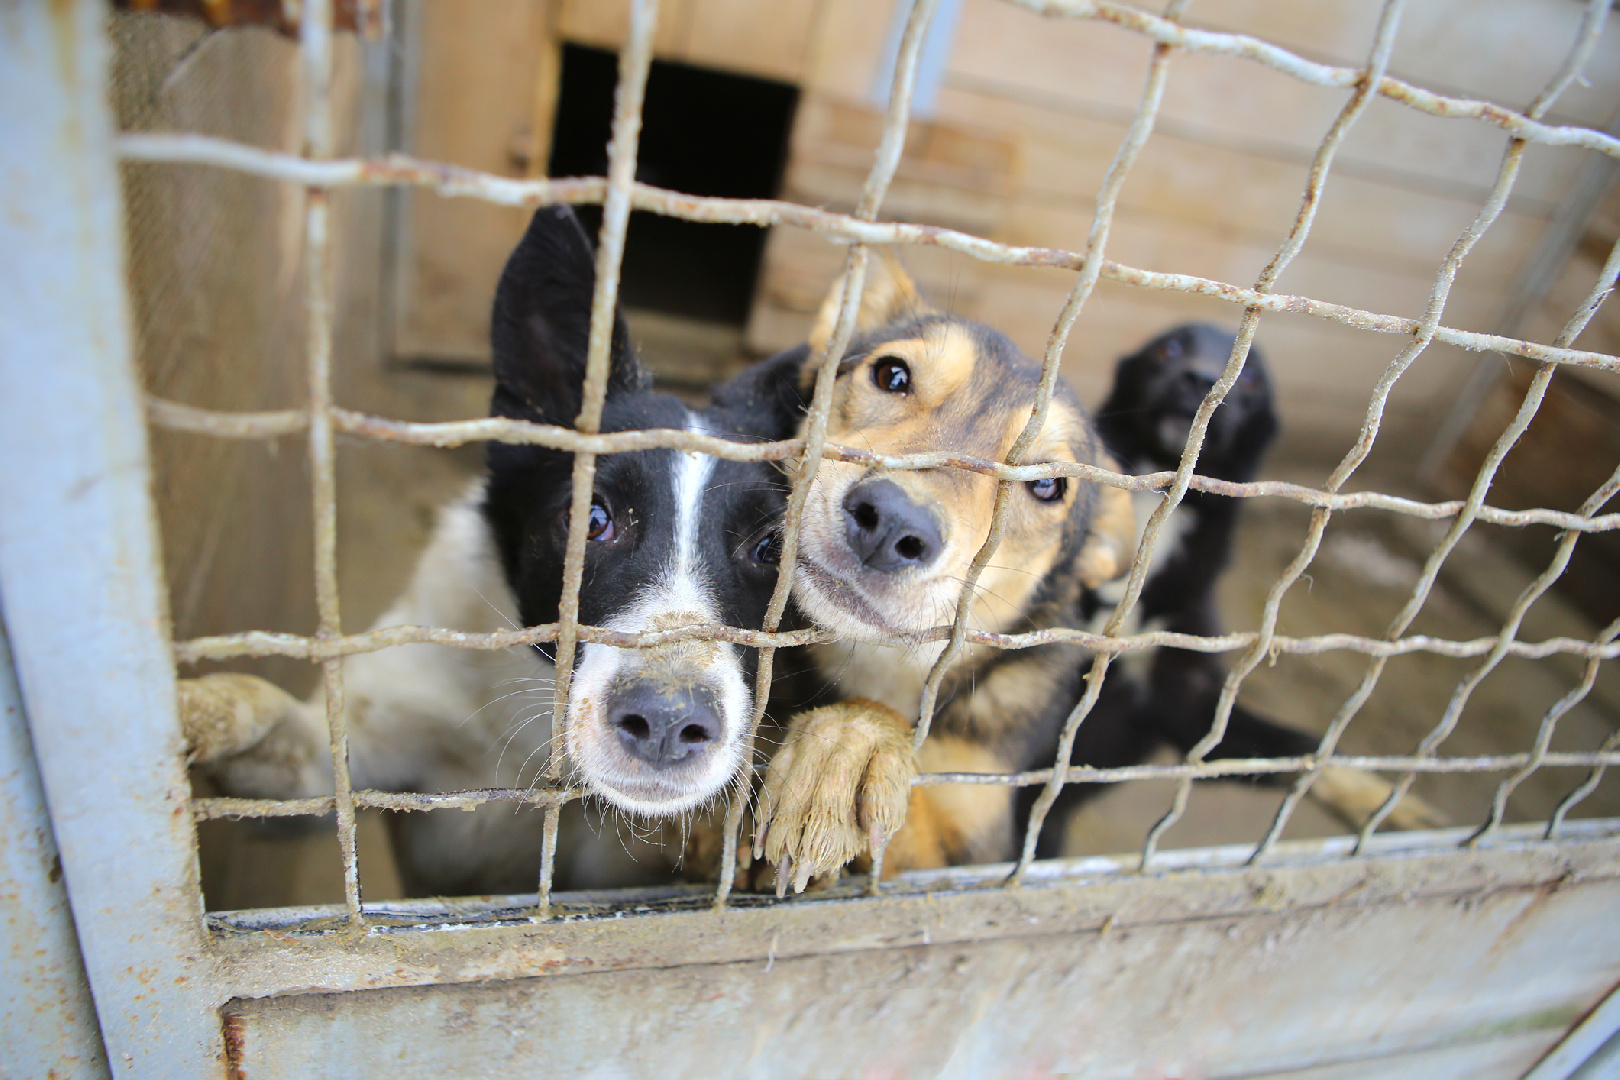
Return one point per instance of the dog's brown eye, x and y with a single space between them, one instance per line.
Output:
599 525
1049 489
891 375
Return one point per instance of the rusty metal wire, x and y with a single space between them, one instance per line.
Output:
1533 591
1130 147
316 55
1378 62
317 172
1544 734
266 643
227 425
634 64
1165 31
886 161
542 795
453 181
1591 27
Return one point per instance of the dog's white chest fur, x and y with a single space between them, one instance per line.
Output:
500 701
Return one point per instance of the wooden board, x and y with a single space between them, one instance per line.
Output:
1099 69
1237 192
475 105
770 41
1397 967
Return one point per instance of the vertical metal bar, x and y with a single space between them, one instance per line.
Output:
634 64
1366 90
886 160
1583 1045
1147 111
315 32
79 570
47 1019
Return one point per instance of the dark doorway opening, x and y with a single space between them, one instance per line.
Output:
703 132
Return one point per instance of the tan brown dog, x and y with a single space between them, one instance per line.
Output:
883 557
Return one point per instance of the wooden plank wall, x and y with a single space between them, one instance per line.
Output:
1030 114
1219 185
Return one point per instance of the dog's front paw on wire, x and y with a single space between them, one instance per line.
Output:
836 790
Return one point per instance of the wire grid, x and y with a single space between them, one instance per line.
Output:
619 193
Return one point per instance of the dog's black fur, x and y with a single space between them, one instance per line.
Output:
1144 423
539 331
675 538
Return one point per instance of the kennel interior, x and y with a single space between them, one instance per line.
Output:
1262 937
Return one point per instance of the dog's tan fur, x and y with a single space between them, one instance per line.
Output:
971 394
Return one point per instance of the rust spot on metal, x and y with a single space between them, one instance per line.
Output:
234 1038
362 16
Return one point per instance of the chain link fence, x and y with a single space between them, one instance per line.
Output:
321 420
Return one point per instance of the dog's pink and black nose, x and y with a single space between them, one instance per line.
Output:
886 530
664 727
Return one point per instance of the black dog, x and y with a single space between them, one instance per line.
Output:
1170 695
674 538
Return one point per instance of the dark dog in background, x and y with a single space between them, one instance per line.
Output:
1169 695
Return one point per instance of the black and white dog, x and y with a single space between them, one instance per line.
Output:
1170 695
675 538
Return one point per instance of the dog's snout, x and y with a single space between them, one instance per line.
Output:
1195 381
664 727
886 530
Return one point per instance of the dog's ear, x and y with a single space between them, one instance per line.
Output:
541 325
1111 538
888 296
766 396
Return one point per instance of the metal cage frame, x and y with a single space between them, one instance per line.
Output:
83 505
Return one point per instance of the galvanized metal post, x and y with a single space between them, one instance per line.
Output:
79 574
47 1020
1589 1048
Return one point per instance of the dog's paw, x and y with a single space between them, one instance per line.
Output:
1354 794
227 713
836 790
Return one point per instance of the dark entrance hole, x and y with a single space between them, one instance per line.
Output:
703 132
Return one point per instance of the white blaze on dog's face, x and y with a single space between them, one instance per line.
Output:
673 539
884 555
660 730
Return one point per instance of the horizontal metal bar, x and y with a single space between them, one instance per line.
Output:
453 181
541 794
265 643
1241 767
283 951
234 425
320 805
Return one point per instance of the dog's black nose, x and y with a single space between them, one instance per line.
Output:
664 726
1197 381
1192 386
886 530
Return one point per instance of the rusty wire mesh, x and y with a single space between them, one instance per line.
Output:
619 193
